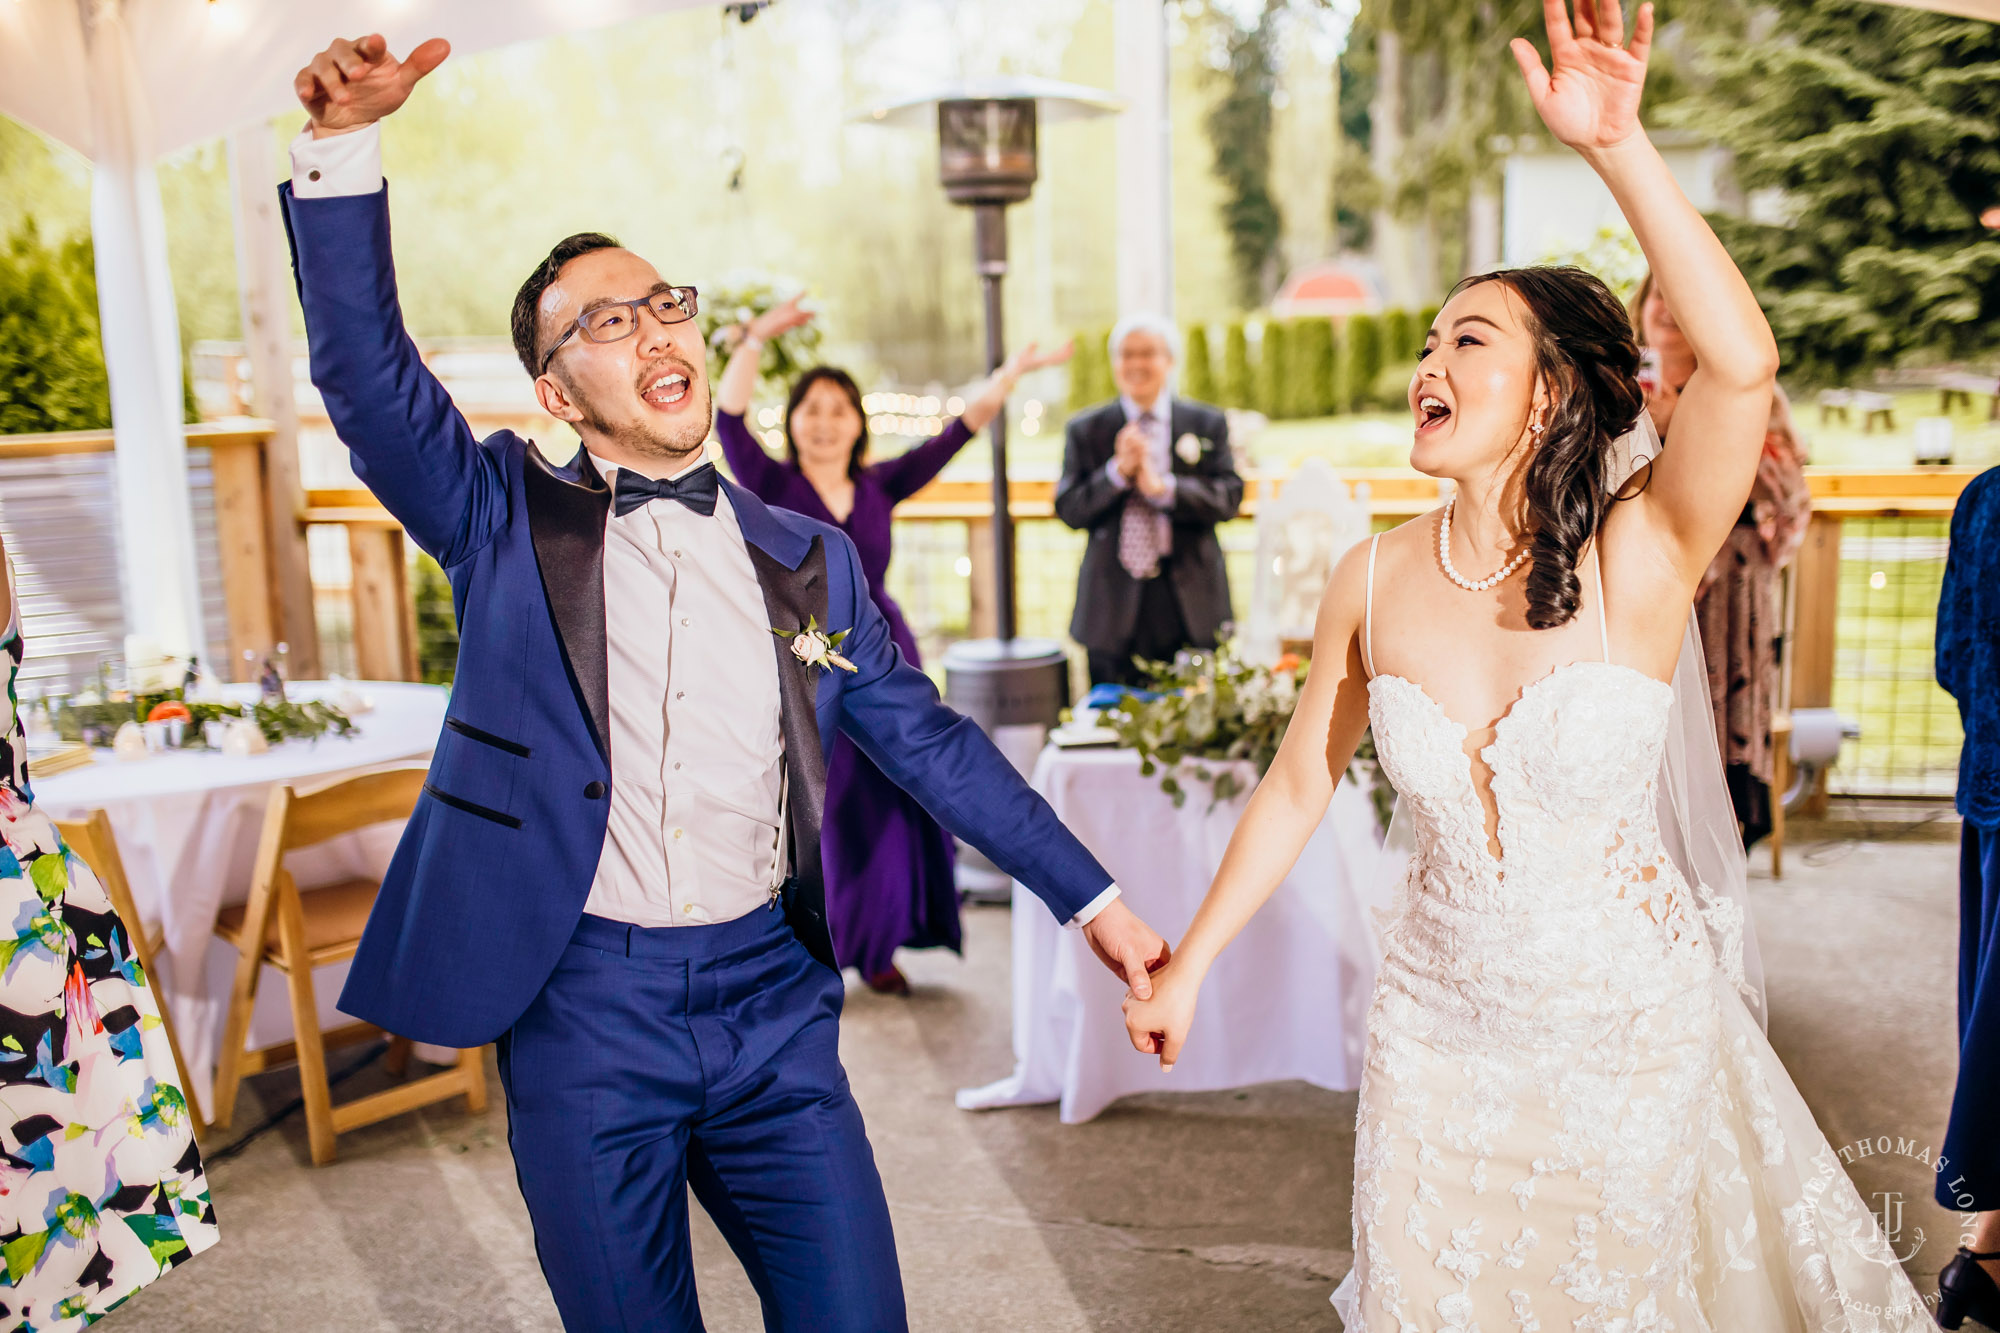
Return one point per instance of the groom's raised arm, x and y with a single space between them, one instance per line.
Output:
409 443
893 713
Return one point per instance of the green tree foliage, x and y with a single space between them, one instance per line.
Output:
1312 366
1464 100
1886 146
1197 366
1273 361
1239 131
1364 359
1237 387
51 362
437 624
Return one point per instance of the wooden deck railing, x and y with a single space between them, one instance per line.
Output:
384 620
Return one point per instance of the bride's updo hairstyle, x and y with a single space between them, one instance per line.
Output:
1588 355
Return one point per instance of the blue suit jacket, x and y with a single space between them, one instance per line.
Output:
493 871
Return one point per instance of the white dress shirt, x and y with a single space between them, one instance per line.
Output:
697 747
1159 447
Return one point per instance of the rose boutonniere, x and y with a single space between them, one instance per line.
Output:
815 647
1189 448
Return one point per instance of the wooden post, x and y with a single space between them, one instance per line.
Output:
385 640
985 584
1816 603
263 282
237 465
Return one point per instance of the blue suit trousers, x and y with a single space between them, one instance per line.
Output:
658 1059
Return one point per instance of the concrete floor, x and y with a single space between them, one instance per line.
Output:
1170 1213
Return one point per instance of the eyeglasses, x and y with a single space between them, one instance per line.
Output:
620 319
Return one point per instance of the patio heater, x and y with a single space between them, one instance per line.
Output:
1014 688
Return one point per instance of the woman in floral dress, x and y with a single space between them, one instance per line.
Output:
101 1185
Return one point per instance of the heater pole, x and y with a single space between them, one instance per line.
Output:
989 233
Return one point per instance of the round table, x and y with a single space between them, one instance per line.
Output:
187 825
1287 1000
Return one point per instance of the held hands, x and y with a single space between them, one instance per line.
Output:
1591 101
354 84
1159 1025
1128 946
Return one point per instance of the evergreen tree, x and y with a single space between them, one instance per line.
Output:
1239 130
51 362
1886 148
1273 365
1198 368
1237 389
1364 360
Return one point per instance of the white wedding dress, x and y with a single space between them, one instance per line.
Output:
1569 1120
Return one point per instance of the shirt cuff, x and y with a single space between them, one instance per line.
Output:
340 164
1091 909
1165 499
1118 479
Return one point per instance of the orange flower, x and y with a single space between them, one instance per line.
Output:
168 710
1289 662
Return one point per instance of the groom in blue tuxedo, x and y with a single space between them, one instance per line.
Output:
614 872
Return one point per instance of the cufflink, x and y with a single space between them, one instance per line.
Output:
313 175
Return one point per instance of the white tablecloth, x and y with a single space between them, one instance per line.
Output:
187 825
1287 1000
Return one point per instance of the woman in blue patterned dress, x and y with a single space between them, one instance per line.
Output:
101 1185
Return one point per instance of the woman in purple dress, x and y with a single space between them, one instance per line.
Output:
888 864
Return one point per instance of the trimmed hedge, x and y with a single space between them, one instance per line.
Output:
1198 367
1236 382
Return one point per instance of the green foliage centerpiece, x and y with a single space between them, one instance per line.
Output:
1214 709
94 718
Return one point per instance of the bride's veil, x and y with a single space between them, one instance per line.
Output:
1698 825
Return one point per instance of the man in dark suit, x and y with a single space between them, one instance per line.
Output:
614 871
1149 476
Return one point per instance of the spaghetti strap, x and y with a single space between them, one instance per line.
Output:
1603 611
1368 610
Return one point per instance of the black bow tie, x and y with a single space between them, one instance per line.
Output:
697 490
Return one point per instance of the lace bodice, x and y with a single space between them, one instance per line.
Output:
1582 890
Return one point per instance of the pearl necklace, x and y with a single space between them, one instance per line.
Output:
1444 558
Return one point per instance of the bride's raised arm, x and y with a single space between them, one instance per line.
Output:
1287 806
1591 102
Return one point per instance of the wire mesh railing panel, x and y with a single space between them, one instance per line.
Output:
1891 570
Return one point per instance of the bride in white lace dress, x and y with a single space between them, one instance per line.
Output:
1569 1118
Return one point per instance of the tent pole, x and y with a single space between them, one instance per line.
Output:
142 355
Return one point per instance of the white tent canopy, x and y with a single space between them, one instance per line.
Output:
125 81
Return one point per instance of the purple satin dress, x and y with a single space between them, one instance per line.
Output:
888 865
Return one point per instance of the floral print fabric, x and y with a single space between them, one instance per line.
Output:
101 1185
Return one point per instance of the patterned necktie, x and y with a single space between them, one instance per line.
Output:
697 490
1145 535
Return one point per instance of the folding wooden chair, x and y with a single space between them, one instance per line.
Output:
298 930
92 839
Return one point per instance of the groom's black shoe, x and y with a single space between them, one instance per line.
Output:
1966 1288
